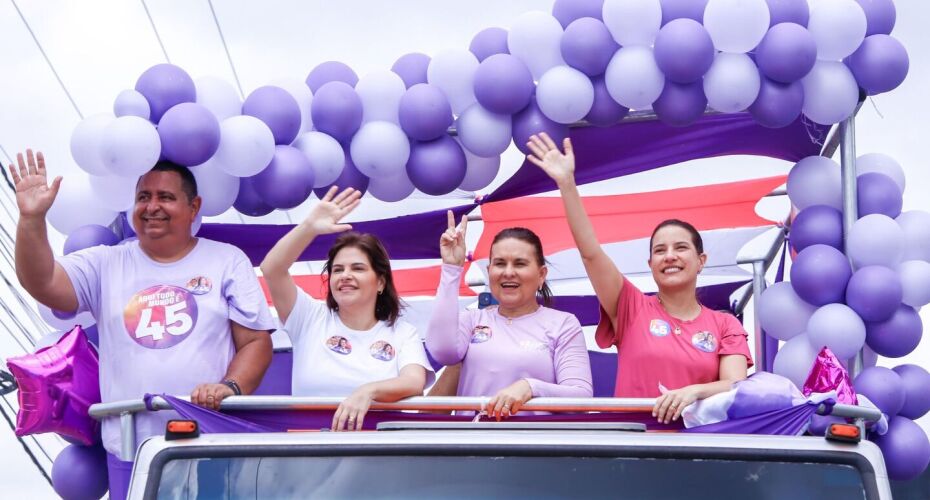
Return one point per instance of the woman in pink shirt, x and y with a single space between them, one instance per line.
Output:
518 349
669 346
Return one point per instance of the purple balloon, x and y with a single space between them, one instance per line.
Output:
165 86
531 120
605 111
905 448
817 225
788 11
874 292
350 177
248 201
684 50
820 274
896 336
189 134
337 110
680 104
880 64
503 84
488 42
778 104
425 113
80 472
878 194
93 335
287 181
588 46
820 424
436 167
568 11
915 381
330 71
883 387
880 16
786 53
62 314
682 9
412 68
88 236
278 109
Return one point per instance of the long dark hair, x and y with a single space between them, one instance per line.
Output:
525 235
696 239
387 305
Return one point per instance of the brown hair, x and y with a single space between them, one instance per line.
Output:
387 305
525 235
695 235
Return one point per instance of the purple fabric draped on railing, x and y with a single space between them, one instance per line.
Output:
785 422
631 147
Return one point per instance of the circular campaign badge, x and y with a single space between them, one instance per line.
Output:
160 317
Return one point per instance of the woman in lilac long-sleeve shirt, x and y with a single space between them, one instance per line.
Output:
514 351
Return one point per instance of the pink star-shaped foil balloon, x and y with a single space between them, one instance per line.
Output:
827 375
57 384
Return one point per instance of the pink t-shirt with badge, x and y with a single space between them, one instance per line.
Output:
655 348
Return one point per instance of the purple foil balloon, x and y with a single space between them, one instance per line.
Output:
778 104
503 84
878 194
248 201
488 42
678 9
337 110
568 11
786 53
588 46
880 16
165 86
880 64
412 68
530 120
684 50
817 225
88 236
788 11
189 134
905 448
915 381
349 178
436 167
425 112
287 181
330 71
278 109
874 292
680 105
57 385
883 388
828 374
898 335
605 111
820 274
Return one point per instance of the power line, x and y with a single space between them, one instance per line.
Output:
26 448
226 48
157 36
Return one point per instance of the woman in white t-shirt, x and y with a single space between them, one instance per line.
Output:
353 344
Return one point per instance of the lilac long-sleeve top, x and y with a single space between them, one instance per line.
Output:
546 348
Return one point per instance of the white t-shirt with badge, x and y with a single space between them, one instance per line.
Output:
331 359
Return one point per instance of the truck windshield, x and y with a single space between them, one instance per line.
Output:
505 477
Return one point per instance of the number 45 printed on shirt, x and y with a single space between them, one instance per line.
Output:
160 317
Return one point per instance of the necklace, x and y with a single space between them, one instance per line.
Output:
675 320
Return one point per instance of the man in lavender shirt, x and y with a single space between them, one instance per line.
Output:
175 313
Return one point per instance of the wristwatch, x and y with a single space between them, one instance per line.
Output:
232 385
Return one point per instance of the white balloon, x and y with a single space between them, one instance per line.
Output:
915 282
736 25
883 164
131 102
838 327
130 146
218 96
830 93
875 240
479 171
246 146
304 97
85 143
453 71
633 22
49 340
815 180
915 224
77 205
391 188
115 192
216 188
380 93
633 78
482 132
838 27
380 149
795 359
535 38
732 83
325 154
564 94
782 313
84 319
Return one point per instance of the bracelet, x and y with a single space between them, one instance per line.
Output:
232 385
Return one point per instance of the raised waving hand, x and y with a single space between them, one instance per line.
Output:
325 216
452 241
34 196
546 155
